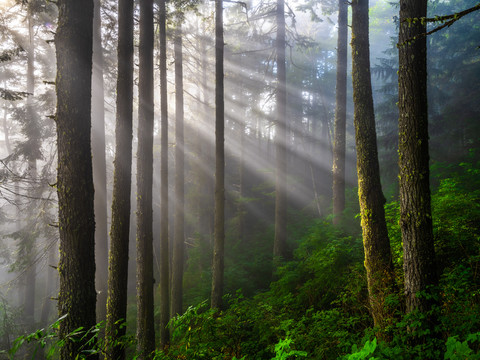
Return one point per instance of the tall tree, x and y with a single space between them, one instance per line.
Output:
378 259
179 227
77 297
122 182
32 155
340 114
99 165
415 209
145 315
164 252
219 235
280 241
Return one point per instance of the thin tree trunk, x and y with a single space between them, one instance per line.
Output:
164 252
179 228
77 296
99 167
205 203
122 183
280 241
340 114
145 314
242 209
33 138
378 259
415 209
219 236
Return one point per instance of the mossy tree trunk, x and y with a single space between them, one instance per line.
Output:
378 259
122 183
415 209
77 297
179 227
145 314
164 252
340 114
219 223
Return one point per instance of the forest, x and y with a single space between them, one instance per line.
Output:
258 179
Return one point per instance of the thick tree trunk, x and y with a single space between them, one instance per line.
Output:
179 227
164 252
77 297
99 167
145 320
340 114
415 213
219 236
280 241
378 259
122 183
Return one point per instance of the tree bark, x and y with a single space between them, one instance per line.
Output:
77 297
179 227
280 241
219 235
145 315
99 166
415 209
340 114
122 183
378 259
164 252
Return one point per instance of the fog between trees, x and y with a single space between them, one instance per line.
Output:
171 199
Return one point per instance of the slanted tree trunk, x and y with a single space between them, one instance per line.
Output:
77 297
145 320
99 167
415 212
164 252
219 236
179 227
122 183
280 241
340 114
378 259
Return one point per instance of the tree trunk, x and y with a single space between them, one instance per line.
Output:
33 135
219 236
76 218
280 241
340 114
49 293
145 316
164 252
99 167
378 259
242 208
179 227
415 213
122 183
205 154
